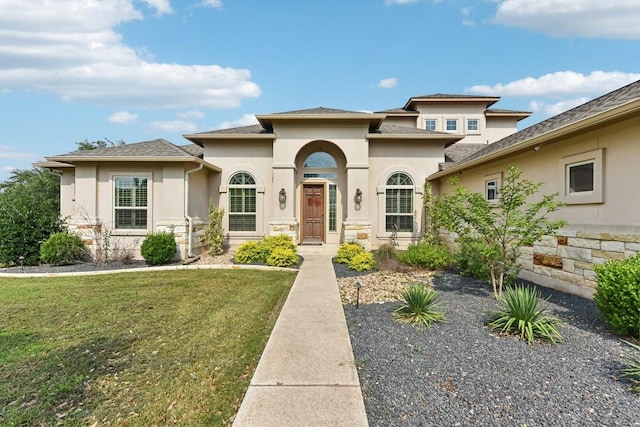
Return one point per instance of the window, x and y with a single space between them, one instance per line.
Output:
452 125
333 207
472 125
399 203
582 177
320 165
491 190
130 204
430 124
242 202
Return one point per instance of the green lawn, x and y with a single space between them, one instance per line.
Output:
154 348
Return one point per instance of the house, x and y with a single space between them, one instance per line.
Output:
329 176
319 175
589 155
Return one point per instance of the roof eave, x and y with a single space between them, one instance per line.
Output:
520 115
448 140
267 120
84 159
579 126
199 138
486 100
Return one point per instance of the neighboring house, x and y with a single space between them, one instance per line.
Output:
319 175
590 155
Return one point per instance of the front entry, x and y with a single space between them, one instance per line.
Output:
313 212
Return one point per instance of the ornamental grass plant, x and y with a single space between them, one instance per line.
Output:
419 306
632 370
521 314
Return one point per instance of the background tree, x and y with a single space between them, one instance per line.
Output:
29 214
92 145
504 226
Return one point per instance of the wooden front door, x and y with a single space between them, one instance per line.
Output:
313 213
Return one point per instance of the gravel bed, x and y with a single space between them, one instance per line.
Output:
458 373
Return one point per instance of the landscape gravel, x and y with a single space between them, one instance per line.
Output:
459 373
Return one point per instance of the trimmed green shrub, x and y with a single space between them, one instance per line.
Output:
62 249
347 251
280 241
158 248
433 257
632 369
251 252
520 314
214 234
282 257
419 306
362 261
618 295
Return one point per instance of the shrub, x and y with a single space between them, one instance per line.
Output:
214 234
433 257
280 241
282 257
632 370
385 252
251 252
419 306
618 295
62 249
469 261
363 261
158 248
347 251
521 314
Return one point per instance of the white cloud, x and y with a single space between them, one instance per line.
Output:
216 4
466 17
161 6
190 115
245 120
71 49
388 2
388 83
173 126
9 152
561 83
123 117
7 169
615 19
554 109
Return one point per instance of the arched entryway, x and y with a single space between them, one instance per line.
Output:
320 178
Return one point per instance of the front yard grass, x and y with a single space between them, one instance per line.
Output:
159 348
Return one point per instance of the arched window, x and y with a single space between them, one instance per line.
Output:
242 202
399 203
320 165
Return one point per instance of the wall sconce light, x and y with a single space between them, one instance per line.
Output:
282 196
358 198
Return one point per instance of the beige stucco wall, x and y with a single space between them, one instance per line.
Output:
594 232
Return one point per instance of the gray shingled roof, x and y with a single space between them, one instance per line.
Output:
243 130
461 150
387 128
599 105
193 149
320 110
399 111
155 148
455 96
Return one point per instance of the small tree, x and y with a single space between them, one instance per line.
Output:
504 225
214 235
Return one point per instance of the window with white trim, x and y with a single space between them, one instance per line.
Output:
242 202
473 125
430 124
491 190
399 203
130 202
451 125
582 177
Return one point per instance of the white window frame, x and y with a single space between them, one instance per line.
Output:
431 120
149 208
446 125
411 199
243 188
582 197
489 179
477 129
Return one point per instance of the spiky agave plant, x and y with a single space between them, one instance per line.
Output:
521 313
419 306
632 370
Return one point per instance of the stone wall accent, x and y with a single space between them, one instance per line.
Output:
357 232
289 228
569 259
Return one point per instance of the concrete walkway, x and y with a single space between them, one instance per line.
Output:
307 375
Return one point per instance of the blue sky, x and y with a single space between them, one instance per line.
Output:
139 70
